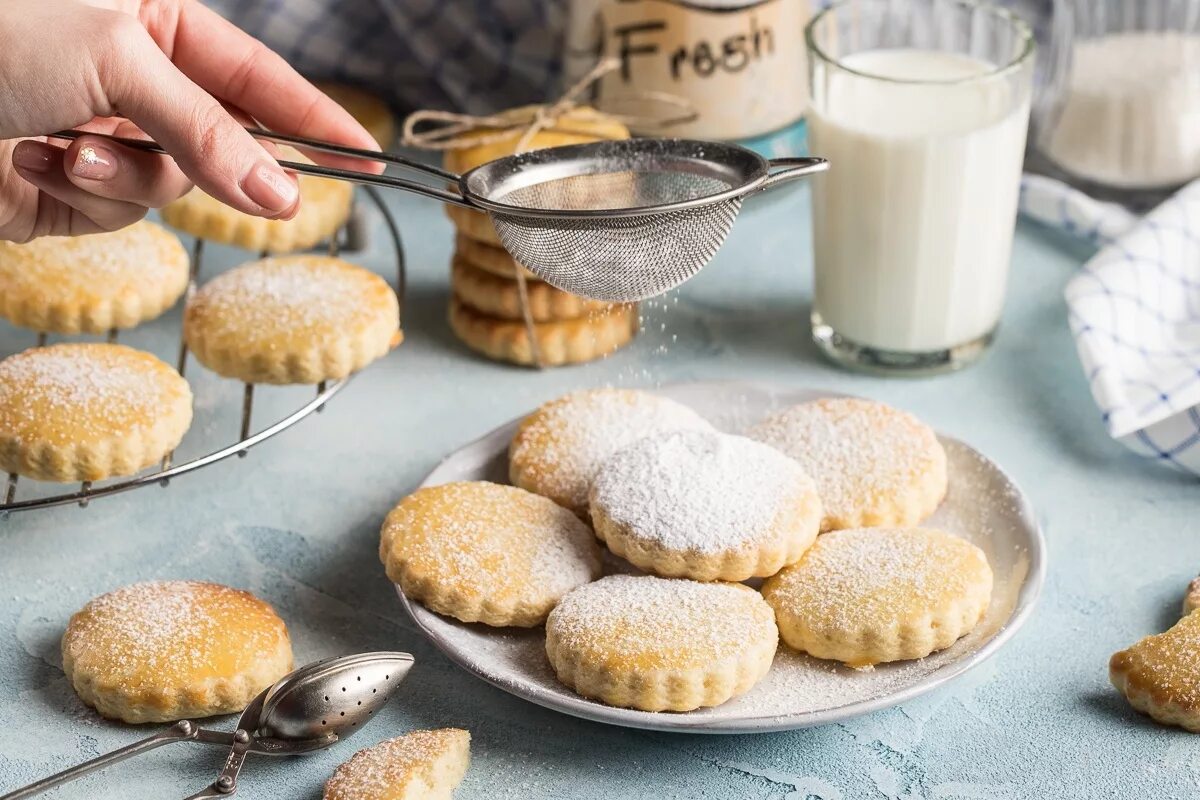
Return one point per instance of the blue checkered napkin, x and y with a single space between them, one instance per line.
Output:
1134 309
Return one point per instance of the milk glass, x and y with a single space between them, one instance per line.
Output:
921 107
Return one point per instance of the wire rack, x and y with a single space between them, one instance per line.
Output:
167 470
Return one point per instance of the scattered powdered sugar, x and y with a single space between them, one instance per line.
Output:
700 491
561 446
385 770
660 622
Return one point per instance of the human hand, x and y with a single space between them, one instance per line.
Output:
138 68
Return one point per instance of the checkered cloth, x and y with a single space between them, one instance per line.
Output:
1134 309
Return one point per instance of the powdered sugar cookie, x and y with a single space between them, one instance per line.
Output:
82 412
482 552
873 464
566 341
92 284
1160 675
168 650
421 765
705 505
501 297
872 595
558 448
475 226
488 257
1191 600
661 644
292 319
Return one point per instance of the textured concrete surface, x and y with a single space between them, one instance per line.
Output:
297 522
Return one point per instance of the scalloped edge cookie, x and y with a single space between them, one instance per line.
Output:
1160 675
420 765
501 297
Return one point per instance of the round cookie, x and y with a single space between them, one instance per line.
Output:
704 505
489 258
659 644
874 465
169 650
370 111
292 319
324 207
579 125
421 765
558 449
482 552
477 226
92 284
570 341
83 412
501 297
1191 600
1160 675
872 595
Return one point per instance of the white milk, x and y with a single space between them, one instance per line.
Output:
1130 110
914 220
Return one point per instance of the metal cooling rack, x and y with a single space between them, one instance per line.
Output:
246 440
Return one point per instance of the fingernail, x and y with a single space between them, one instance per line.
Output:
271 188
95 162
33 156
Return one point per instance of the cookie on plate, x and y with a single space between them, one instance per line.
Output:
704 505
169 650
501 297
292 319
324 207
482 552
421 765
558 449
92 284
660 644
83 412
569 341
1160 675
874 465
869 595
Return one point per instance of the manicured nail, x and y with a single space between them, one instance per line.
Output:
271 188
33 156
95 162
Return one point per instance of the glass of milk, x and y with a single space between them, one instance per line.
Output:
921 107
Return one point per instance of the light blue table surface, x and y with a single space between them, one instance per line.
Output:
297 523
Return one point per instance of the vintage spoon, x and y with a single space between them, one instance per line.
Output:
309 709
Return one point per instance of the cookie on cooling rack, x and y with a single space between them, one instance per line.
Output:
871 595
558 449
169 650
292 319
92 284
1160 675
421 765
482 552
369 110
324 207
873 464
659 644
83 412
568 341
501 297
704 505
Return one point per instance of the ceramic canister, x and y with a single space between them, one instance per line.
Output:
738 64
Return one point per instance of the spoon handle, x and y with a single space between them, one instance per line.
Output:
226 784
179 732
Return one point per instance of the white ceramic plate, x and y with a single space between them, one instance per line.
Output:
982 505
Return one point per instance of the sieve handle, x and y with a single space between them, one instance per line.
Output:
791 169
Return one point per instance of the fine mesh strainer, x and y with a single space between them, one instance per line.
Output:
614 220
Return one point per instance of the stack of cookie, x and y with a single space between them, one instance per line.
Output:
546 327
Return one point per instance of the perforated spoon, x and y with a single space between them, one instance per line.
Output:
309 709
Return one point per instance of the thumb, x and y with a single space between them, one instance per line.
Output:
209 145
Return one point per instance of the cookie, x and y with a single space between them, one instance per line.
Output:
1191 600
660 644
704 505
92 284
501 297
482 552
421 765
292 319
579 125
83 412
324 207
558 449
874 465
1160 675
476 226
169 650
369 110
869 595
572 341
489 258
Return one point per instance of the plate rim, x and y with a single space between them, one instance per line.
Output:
582 708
